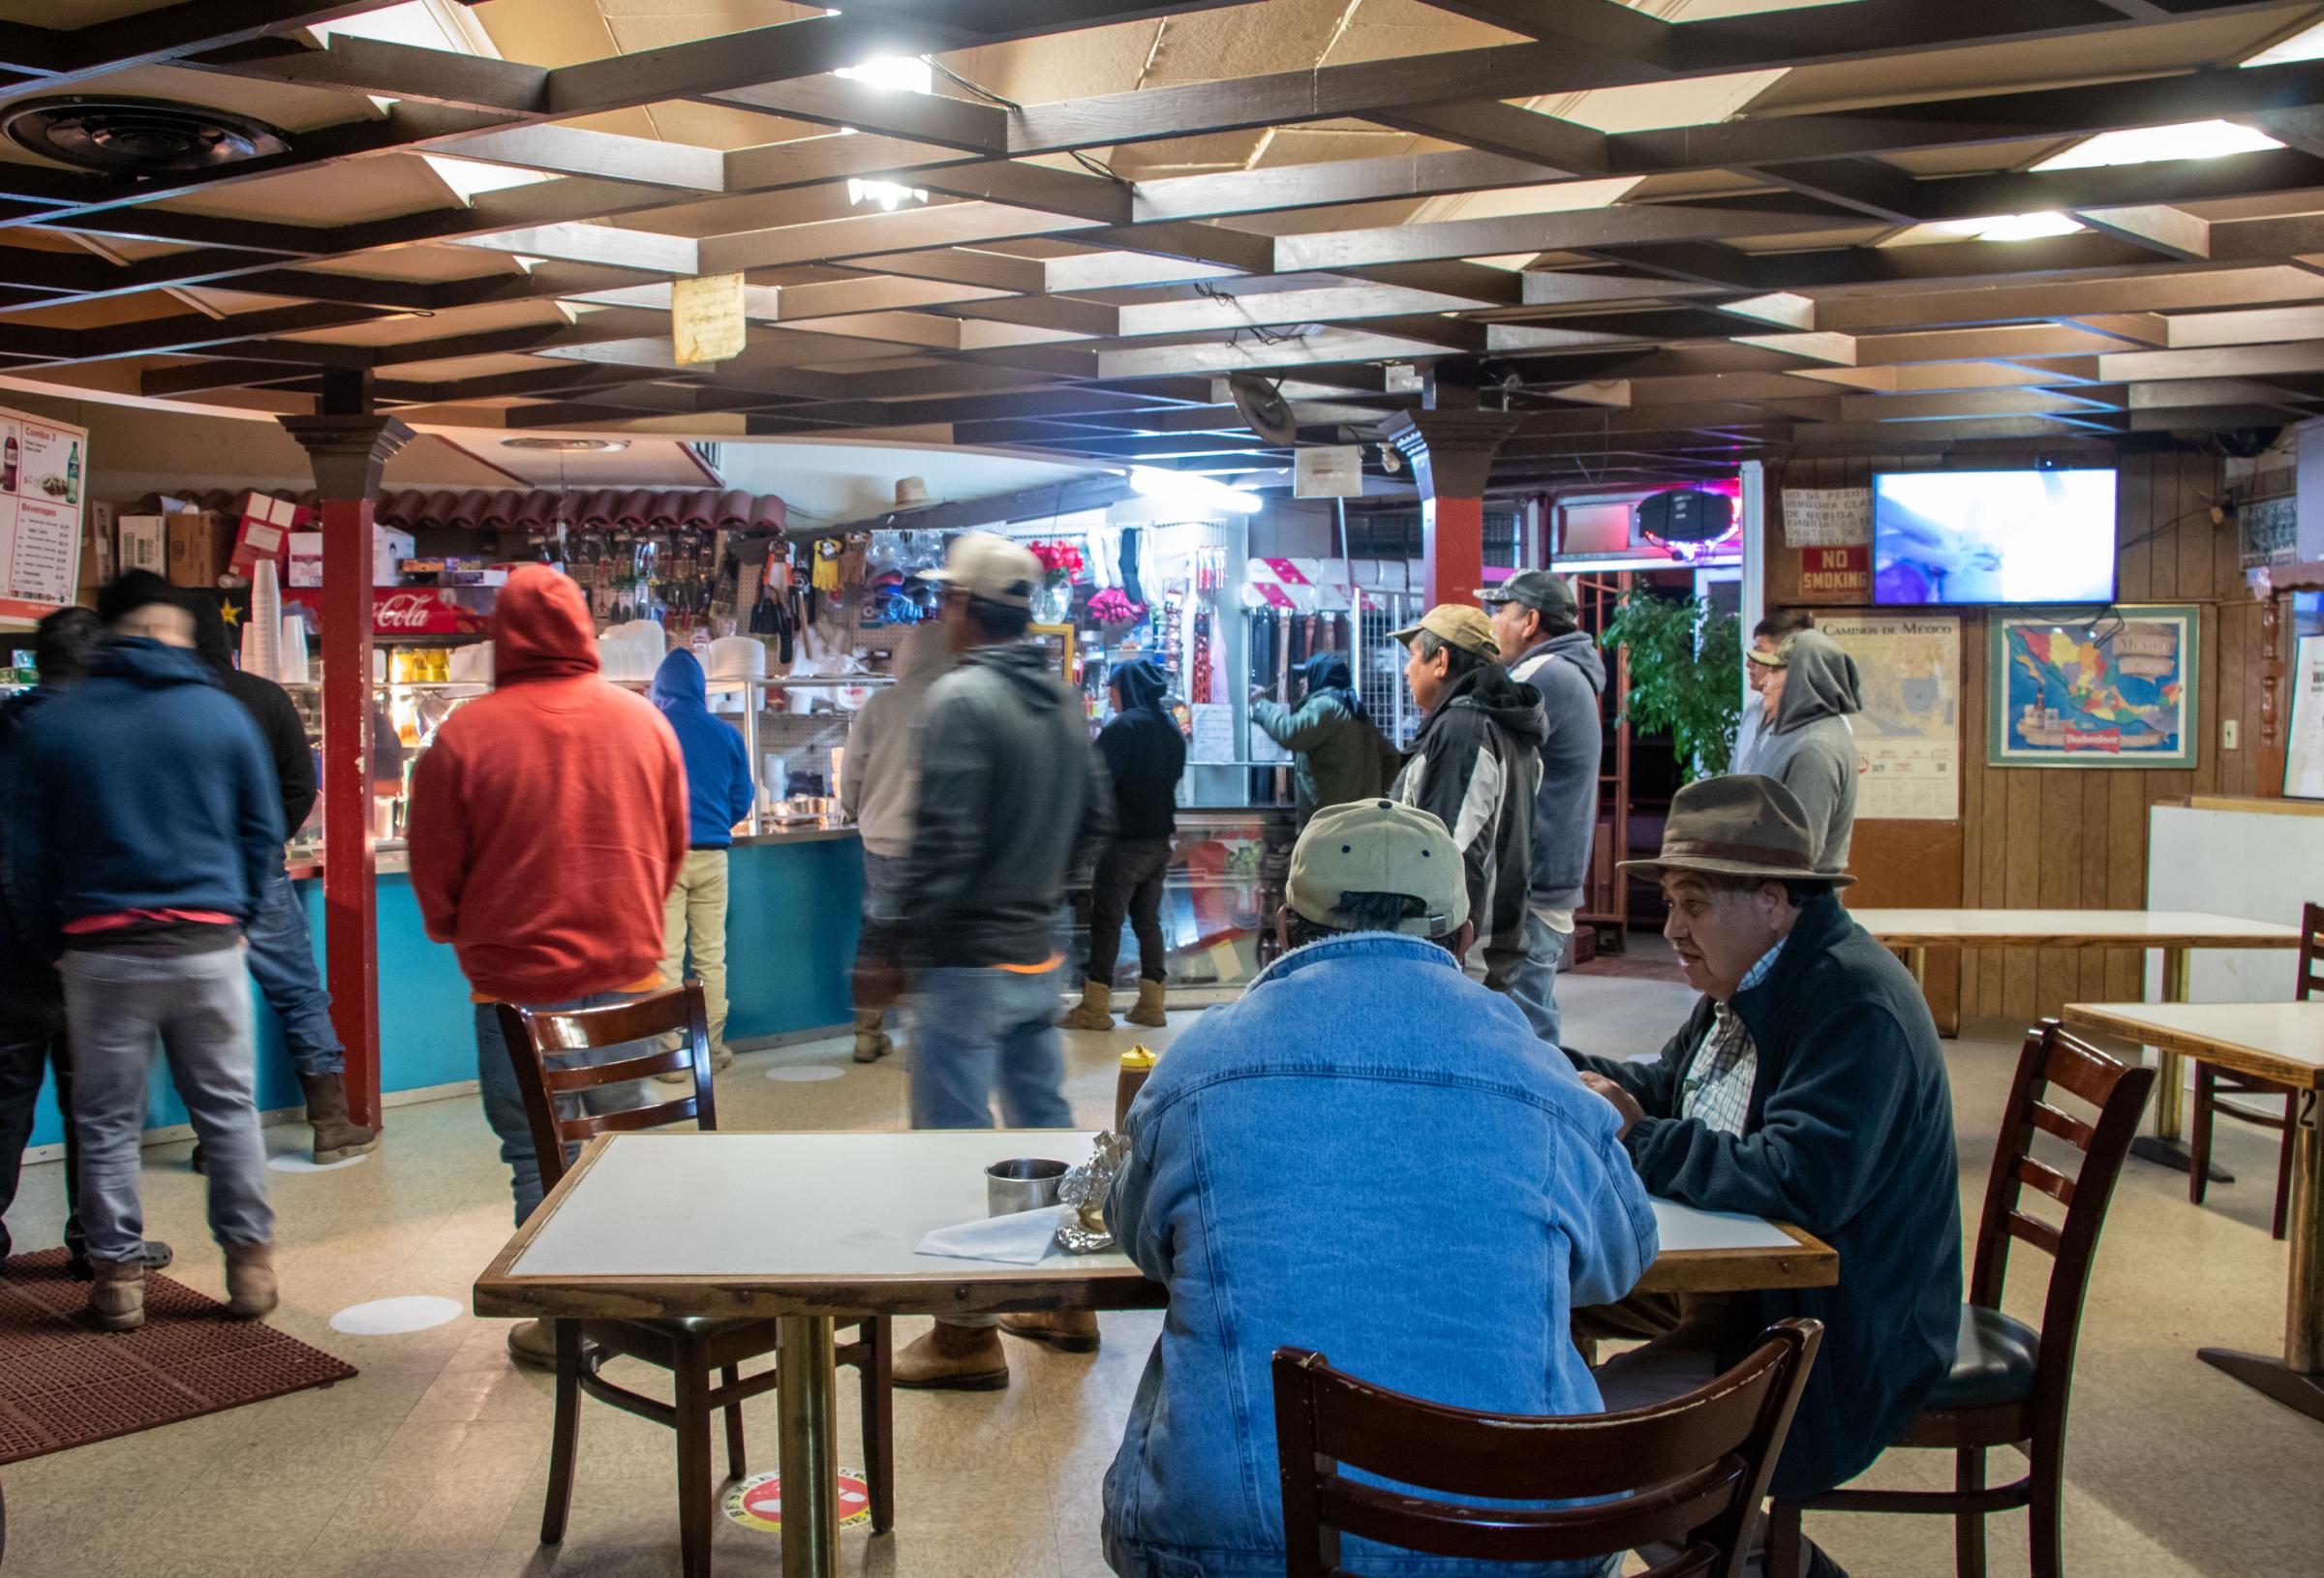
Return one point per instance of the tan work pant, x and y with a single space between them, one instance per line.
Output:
693 923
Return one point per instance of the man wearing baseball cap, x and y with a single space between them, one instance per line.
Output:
1011 798
1534 616
1475 766
1807 1087
1361 1093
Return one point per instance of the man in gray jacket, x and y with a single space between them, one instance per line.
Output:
1011 798
1807 746
1535 615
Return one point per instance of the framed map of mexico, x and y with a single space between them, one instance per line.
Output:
2118 689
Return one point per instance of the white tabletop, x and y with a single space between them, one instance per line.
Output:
2072 927
2282 1042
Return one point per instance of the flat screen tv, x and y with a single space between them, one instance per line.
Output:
2018 537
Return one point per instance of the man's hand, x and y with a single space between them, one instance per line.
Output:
1260 692
1622 1100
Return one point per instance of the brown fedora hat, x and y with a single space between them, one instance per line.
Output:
1738 826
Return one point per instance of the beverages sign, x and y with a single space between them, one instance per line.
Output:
43 483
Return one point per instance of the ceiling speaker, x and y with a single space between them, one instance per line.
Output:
138 136
1264 410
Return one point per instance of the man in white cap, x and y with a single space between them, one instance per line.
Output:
1011 798
1363 1097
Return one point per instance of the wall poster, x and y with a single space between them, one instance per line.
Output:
44 481
1909 733
2304 743
2114 691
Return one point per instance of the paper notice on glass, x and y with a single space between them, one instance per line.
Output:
705 318
1909 733
1827 517
1214 739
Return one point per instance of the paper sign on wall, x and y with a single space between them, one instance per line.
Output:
44 481
1827 517
1213 733
1327 472
705 318
1909 733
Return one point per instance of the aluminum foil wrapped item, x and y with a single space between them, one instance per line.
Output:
1083 1230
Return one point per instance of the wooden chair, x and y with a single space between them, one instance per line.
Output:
1688 1472
2010 1381
2212 1083
688 1347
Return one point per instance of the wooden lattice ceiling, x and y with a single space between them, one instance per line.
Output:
1668 244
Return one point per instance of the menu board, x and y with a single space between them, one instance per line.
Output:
43 482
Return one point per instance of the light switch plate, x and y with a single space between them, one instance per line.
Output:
2228 735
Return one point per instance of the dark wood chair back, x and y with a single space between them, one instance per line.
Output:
1688 1472
2311 952
535 1034
2054 1061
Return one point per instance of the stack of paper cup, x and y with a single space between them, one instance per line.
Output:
263 631
295 670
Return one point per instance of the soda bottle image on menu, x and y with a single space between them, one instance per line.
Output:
73 473
10 455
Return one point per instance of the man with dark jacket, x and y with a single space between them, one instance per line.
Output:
1807 1087
1146 756
1477 766
32 996
1340 754
1010 800
721 790
1807 744
282 948
1534 616
150 824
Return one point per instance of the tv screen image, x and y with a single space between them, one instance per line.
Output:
2019 536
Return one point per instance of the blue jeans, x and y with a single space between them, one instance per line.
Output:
282 960
504 1105
198 1004
972 1025
1532 983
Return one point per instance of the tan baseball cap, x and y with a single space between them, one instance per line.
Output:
993 568
1457 624
1377 846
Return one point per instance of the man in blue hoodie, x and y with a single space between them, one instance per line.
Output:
150 826
720 790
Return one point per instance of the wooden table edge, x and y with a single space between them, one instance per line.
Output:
2186 1043
2036 939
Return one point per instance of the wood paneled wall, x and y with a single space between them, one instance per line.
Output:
2066 837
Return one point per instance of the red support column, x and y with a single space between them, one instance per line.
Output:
347 454
1452 455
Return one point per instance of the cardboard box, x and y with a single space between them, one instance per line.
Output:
144 543
200 542
266 521
386 548
306 559
97 548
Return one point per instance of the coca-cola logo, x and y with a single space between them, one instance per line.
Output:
407 611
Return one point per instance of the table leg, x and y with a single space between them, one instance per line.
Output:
805 1408
2297 1380
2162 1147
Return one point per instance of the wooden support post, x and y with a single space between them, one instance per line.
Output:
347 448
1452 455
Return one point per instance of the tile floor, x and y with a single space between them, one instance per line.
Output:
430 1464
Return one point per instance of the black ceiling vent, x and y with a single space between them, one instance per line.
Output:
138 136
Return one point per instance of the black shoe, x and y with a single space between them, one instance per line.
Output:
158 1257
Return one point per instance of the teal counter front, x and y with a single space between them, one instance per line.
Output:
791 923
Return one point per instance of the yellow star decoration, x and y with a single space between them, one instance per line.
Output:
230 613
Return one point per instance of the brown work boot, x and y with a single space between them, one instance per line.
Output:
117 1294
337 1136
1149 1010
1095 1010
872 1043
954 1358
1068 1331
533 1344
249 1287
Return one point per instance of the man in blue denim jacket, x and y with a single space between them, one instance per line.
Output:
1371 1156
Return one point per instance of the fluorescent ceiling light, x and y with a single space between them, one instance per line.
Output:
898 74
2303 45
2007 226
1193 492
886 194
469 178
2149 144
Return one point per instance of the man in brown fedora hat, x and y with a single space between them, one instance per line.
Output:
1806 1086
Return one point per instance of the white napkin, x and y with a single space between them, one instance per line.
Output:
1020 1238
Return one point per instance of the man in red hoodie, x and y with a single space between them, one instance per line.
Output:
548 822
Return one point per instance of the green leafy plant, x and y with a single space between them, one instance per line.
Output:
1686 675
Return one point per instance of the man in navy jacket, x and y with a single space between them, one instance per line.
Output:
719 792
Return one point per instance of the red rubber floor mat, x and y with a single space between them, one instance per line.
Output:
65 1384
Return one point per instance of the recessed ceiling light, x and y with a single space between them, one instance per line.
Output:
568 446
2009 226
2197 140
2307 44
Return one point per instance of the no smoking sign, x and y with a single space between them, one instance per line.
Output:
757 1502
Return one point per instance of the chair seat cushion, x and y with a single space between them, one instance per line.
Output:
1993 1365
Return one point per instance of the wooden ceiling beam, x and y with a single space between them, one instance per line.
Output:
1277 189
928 118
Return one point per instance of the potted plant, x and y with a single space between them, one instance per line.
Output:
1686 675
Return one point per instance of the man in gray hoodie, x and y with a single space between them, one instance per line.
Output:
1807 746
1535 615
1011 798
879 791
